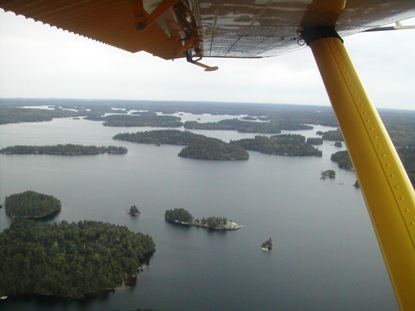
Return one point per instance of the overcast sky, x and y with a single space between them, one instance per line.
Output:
39 61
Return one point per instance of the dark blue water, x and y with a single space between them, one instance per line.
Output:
325 254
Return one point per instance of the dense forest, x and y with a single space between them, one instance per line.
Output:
171 137
342 159
214 149
271 127
69 260
314 141
31 204
138 120
286 144
68 149
179 215
16 115
236 125
334 135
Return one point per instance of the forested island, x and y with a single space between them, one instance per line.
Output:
138 120
16 115
161 137
214 149
32 205
198 146
67 150
182 217
334 135
342 159
314 141
134 211
69 260
286 145
235 125
247 126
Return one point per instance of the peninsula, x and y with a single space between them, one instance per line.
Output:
32 205
180 216
67 150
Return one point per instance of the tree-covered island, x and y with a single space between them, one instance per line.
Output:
32 205
198 146
214 149
235 125
182 217
334 135
161 137
69 260
286 145
273 126
67 150
314 141
342 159
134 211
17 115
138 120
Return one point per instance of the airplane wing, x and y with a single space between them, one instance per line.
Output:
261 28
236 28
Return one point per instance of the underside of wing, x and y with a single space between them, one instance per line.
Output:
211 28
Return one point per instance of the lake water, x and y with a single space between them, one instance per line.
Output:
325 254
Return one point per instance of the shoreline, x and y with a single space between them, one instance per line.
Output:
230 226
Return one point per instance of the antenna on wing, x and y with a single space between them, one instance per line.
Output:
196 62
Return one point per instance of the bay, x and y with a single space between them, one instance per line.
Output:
325 253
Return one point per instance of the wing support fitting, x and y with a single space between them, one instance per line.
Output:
189 58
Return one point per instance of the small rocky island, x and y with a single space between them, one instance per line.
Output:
267 245
134 211
67 150
180 216
328 174
32 205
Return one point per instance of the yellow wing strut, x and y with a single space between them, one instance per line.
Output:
388 193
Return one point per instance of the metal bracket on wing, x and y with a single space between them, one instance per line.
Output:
189 58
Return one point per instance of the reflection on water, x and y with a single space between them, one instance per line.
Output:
325 254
